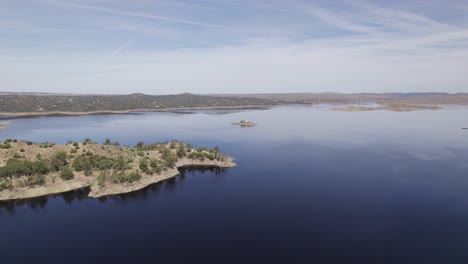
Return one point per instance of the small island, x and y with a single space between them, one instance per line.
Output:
30 169
244 123
397 108
2 124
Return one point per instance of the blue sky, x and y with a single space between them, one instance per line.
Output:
221 46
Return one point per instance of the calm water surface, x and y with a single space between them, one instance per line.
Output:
311 186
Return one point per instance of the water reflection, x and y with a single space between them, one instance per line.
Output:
41 202
82 193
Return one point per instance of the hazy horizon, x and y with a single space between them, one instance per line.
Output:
241 47
228 94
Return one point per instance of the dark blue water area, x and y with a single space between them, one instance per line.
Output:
311 186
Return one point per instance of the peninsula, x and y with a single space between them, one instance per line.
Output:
30 169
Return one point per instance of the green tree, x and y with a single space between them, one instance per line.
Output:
140 145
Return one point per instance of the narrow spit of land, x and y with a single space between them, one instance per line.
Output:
397 108
244 124
30 169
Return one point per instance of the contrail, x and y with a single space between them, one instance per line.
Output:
124 46
132 14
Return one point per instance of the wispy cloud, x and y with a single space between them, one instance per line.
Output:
124 46
131 14
339 21
242 46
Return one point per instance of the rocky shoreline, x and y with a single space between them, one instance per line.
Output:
111 189
27 169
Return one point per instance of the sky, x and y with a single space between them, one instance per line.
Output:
225 46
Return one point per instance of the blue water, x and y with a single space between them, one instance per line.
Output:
311 186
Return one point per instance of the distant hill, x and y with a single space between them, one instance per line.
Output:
381 98
44 103
17 103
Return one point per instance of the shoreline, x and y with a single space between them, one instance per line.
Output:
30 170
113 189
14 115
337 107
394 108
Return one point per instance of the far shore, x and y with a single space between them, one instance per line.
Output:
13 115
396 108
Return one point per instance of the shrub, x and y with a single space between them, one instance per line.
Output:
102 178
120 163
5 146
181 151
105 164
73 151
118 177
140 145
80 163
144 166
133 177
35 180
172 145
122 177
58 160
107 141
16 156
16 167
6 184
29 143
66 173
22 150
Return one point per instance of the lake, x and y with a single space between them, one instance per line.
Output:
311 186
